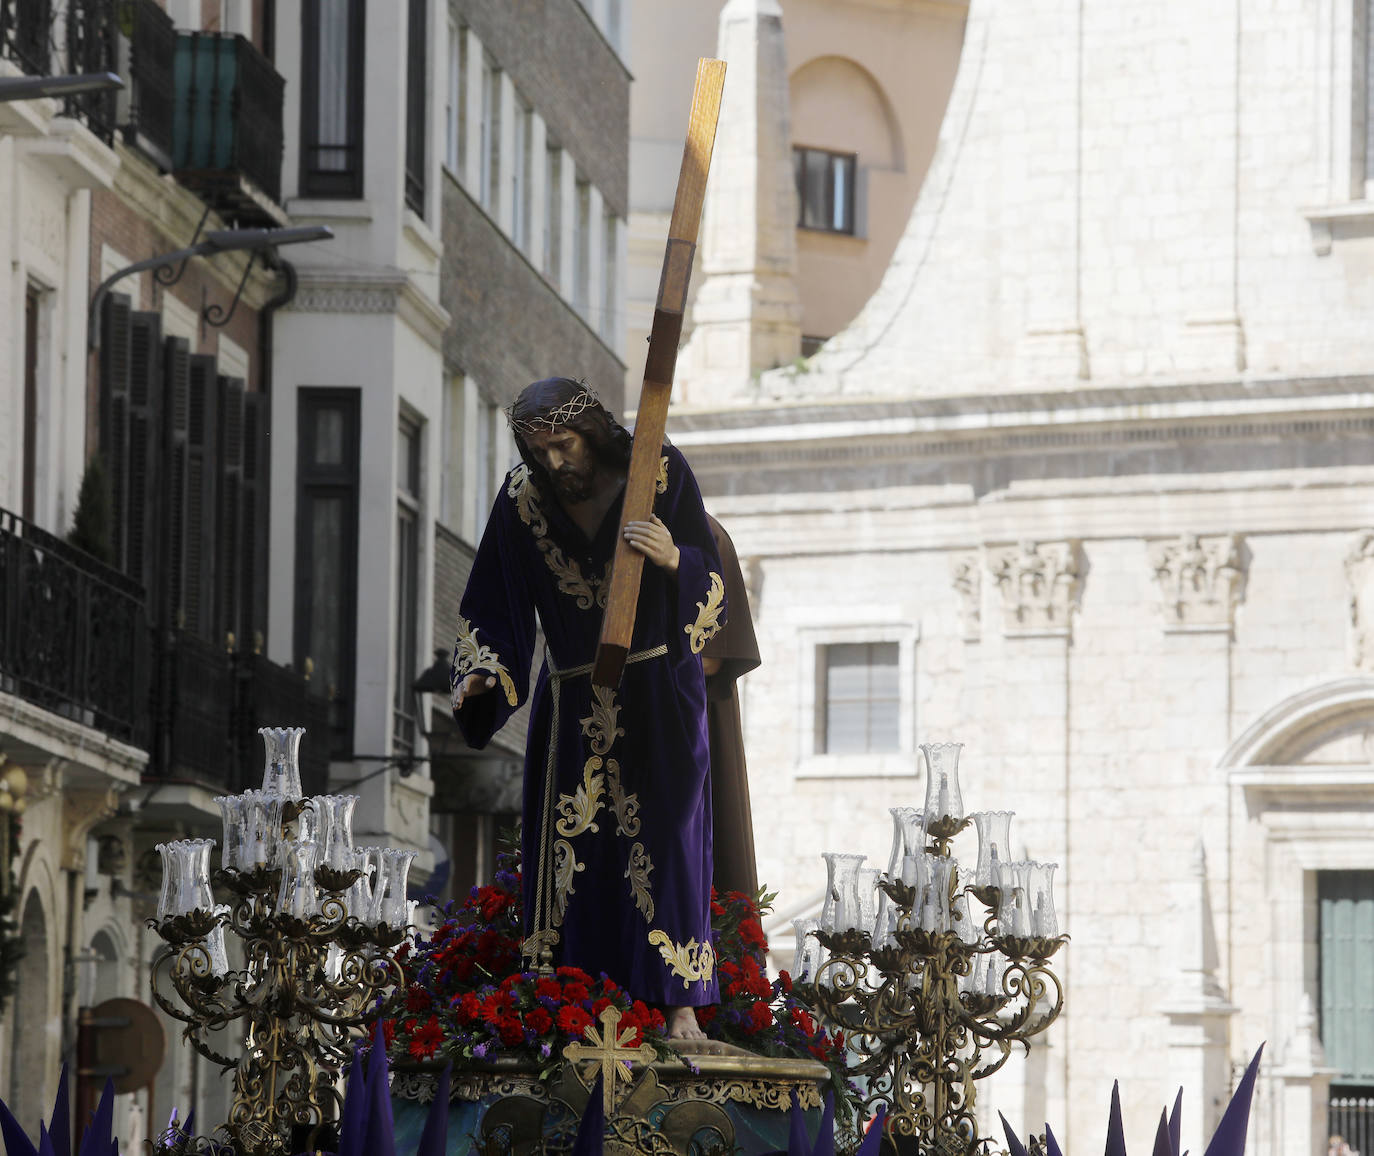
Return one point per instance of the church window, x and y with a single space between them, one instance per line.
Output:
332 98
858 698
825 189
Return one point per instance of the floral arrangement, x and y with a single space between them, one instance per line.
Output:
467 999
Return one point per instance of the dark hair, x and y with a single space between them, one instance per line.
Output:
609 440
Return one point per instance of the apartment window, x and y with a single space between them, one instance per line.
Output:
417 120
33 309
553 212
332 98
489 191
521 165
825 189
582 240
456 100
608 282
857 698
488 419
327 549
404 715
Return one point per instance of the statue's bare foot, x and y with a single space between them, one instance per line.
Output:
682 1024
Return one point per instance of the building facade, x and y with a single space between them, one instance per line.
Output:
1087 484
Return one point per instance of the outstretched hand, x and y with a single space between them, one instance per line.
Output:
471 686
654 541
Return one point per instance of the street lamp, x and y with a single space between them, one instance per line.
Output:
33 87
215 241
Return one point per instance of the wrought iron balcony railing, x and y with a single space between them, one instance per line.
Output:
227 127
50 37
73 633
152 44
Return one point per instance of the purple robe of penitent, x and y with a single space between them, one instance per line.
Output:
617 805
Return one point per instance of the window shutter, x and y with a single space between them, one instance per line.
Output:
145 396
227 562
114 414
257 409
176 358
203 411
1347 973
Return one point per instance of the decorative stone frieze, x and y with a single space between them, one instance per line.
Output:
1359 576
1200 580
1040 584
967 577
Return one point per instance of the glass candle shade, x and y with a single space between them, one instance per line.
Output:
865 902
335 818
994 839
296 896
187 862
841 867
934 901
1014 916
943 798
214 944
262 830
368 860
907 836
985 977
282 773
806 959
962 922
389 895
1040 898
232 810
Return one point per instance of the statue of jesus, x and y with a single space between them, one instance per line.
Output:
616 841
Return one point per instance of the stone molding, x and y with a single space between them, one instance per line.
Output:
1299 721
1201 581
1359 577
81 812
1040 584
374 295
966 575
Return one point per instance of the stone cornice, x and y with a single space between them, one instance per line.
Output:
395 293
176 211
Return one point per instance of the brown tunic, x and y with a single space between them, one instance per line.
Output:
737 650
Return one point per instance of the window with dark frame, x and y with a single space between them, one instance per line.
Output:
327 549
417 120
825 189
33 301
332 87
858 698
405 712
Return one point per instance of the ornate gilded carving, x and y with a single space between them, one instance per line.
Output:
470 655
707 625
585 592
1200 580
565 869
689 962
610 1053
662 484
1359 577
1040 584
638 875
602 726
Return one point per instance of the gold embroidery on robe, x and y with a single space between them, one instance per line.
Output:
662 484
579 810
638 875
470 655
587 592
707 625
689 962
565 867
625 806
602 726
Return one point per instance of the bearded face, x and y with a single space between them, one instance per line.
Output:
568 459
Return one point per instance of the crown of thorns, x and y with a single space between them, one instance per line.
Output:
582 400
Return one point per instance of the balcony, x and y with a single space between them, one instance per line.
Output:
227 126
73 633
50 37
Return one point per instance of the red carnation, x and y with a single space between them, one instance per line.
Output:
760 1017
509 1029
751 931
600 1006
418 999
785 978
573 973
802 1018
575 992
573 1021
468 1008
704 1014
548 989
538 1021
388 1032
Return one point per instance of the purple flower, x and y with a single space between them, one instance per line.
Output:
545 1050
480 1051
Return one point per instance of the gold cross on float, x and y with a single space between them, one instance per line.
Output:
608 1051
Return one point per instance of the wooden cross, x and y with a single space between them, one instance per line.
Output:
609 1052
652 417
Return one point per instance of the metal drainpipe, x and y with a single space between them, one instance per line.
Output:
265 321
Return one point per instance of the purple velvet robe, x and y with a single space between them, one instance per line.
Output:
617 804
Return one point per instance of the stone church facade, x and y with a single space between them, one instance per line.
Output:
1088 485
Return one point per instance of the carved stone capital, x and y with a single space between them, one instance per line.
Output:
81 812
1040 584
1359 577
1201 580
966 575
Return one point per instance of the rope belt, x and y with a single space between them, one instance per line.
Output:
539 940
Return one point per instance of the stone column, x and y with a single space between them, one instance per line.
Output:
747 315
